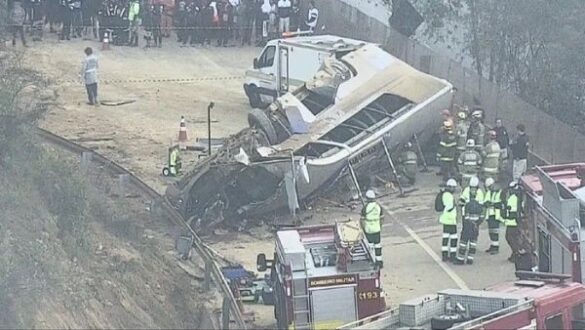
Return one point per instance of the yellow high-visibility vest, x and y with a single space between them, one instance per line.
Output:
449 214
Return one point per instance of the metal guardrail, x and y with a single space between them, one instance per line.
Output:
211 266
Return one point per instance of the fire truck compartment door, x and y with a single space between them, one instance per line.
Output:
329 315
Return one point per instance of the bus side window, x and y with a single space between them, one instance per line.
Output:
578 317
554 322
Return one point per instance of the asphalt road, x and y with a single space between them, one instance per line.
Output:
411 239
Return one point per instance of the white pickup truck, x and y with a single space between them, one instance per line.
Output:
285 64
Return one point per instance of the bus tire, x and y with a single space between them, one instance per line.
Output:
259 120
254 96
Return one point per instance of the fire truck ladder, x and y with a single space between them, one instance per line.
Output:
301 304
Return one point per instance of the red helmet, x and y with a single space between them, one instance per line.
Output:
492 134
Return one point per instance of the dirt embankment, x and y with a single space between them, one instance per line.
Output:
75 256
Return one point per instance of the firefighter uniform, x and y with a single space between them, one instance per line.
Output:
408 168
472 191
477 131
448 218
446 151
468 242
493 205
461 132
372 225
469 163
491 160
174 161
511 218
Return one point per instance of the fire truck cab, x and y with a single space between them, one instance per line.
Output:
554 217
323 277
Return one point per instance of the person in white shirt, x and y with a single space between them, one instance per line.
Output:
284 12
265 8
89 76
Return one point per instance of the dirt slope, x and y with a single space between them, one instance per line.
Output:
113 267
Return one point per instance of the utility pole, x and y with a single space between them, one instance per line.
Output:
209 107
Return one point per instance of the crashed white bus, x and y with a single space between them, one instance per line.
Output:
354 112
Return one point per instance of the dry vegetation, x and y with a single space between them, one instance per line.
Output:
73 255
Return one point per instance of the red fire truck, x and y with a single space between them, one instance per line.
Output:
536 301
554 216
323 277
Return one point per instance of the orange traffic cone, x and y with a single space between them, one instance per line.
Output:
182 131
106 41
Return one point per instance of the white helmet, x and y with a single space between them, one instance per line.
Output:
474 182
513 184
370 194
451 183
470 143
489 182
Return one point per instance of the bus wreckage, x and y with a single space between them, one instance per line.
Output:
349 117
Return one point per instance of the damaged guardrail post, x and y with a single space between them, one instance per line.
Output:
207 279
225 313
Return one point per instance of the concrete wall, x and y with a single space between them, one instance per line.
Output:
552 140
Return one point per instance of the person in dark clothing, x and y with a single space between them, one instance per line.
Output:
519 152
502 138
105 14
247 20
259 18
76 17
52 14
157 34
121 27
37 14
27 6
17 19
88 13
226 24
65 15
206 24
190 26
148 24
180 18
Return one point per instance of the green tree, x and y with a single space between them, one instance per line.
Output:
531 47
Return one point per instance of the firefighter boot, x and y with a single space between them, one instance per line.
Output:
495 250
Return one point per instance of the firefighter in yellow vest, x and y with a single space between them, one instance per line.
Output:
448 218
472 190
371 221
408 168
469 163
493 206
491 157
512 208
174 161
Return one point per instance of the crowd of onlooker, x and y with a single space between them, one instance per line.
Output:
147 22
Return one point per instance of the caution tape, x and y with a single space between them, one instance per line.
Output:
151 29
149 80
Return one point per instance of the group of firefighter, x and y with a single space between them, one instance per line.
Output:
470 156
